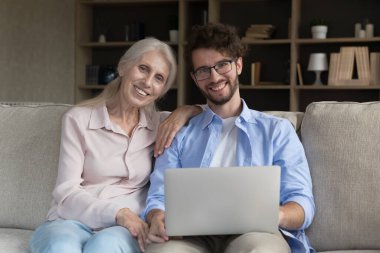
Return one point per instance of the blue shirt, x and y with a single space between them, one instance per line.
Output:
262 140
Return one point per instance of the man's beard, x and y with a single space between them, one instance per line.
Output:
222 100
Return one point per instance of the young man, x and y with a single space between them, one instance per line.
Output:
226 134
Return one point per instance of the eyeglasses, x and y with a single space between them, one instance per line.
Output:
221 67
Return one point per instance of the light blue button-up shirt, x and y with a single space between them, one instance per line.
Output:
262 140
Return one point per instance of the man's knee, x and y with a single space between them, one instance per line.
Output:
258 243
175 246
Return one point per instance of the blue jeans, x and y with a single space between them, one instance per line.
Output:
74 237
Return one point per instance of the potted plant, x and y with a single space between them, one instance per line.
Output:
319 28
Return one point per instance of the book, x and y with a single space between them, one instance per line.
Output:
346 63
92 74
333 69
375 68
259 31
366 71
299 74
255 73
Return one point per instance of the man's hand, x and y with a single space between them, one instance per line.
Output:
157 233
136 226
172 124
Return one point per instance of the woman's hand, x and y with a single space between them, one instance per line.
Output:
172 124
136 226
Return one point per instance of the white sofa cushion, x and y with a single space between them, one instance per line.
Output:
14 240
342 143
29 143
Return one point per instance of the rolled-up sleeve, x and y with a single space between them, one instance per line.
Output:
296 184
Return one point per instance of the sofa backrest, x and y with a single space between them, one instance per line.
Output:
294 117
342 144
29 144
29 151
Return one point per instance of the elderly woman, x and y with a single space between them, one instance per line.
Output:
106 158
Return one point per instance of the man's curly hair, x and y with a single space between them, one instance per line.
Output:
223 38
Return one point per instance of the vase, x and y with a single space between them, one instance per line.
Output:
173 36
319 31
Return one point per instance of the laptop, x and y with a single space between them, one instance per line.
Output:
216 201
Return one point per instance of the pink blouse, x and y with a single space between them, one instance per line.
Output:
101 169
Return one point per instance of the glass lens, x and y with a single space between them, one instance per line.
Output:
202 73
223 67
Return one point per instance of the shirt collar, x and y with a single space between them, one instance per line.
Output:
145 121
100 118
245 115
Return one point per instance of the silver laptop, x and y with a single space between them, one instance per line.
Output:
214 201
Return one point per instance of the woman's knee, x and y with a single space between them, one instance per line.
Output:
115 239
60 242
59 236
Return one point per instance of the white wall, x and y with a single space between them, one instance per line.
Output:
37 50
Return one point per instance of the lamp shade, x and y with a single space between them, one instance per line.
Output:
317 62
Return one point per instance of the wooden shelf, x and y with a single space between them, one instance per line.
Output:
338 87
115 44
265 42
91 87
291 44
124 2
102 86
94 17
265 87
337 40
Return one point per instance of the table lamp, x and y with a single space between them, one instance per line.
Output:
318 63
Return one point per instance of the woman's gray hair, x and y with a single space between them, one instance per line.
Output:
130 57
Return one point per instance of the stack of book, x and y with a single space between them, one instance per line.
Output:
92 74
255 31
343 64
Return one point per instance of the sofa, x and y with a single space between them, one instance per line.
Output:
341 140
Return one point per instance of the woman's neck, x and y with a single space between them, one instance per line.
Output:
124 115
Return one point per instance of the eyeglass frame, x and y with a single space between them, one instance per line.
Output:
230 61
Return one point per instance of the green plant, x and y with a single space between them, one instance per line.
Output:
318 21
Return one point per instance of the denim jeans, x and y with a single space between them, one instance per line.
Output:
75 237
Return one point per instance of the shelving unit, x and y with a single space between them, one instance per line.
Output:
341 33
279 56
112 16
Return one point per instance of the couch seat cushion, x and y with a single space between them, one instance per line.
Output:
351 251
14 240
